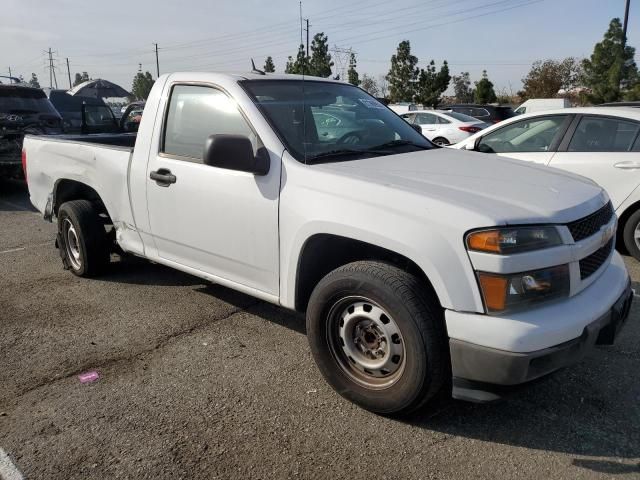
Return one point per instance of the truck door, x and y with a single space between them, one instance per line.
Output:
219 221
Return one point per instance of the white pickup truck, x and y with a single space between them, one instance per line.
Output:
419 268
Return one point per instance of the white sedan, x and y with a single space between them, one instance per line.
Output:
444 128
599 143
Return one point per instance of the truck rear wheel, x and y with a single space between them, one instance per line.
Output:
82 238
377 334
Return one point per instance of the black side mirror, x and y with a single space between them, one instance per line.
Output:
235 152
416 128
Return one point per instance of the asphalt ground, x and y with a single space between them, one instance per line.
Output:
198 381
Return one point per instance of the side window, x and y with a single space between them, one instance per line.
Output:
531 135
409 117
442 120
636 145
195 112
426 119
600 134
521 110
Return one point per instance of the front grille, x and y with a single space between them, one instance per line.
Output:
593 262
589 225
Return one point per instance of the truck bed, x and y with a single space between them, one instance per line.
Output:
99 161
126 140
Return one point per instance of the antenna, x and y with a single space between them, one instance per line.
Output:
255 70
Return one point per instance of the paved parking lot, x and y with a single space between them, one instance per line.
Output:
198 381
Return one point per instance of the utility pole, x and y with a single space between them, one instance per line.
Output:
50 69
10 72
69 73
624 27
307 30
157 62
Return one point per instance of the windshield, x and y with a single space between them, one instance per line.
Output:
331 120
24 101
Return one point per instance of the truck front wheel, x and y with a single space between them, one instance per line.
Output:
82 238
377 334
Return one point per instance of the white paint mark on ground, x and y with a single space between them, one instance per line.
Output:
19 249
8 471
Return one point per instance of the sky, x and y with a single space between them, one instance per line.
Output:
110 39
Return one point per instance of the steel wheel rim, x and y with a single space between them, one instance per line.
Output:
72 244
366 342
636 235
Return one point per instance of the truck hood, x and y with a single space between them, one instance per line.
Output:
506 191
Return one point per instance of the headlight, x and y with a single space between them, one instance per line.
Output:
502 293
513 240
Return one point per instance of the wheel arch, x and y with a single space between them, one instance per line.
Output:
66 189
323 252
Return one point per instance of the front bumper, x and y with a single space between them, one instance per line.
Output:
480 372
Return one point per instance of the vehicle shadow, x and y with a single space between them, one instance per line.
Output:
137 271
14 196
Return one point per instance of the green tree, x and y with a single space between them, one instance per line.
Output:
462 88
370 85
269 66
547 78
543 80
34 81
300 65
320 62
484 90
403 74
142 84
432 84
79 78
611 68
352 74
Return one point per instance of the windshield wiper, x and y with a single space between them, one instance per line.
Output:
344 152
398 143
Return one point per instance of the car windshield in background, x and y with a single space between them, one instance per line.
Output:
24 101
327 121
461 117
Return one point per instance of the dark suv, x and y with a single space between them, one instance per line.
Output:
486 113
23 110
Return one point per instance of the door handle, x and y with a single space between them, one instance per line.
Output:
163 177
628 165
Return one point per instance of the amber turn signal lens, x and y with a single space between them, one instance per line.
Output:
494 290
485 241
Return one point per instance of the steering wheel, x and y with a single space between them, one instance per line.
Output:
350 138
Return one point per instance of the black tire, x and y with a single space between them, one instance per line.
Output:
89 236
628 234
415 311
441 141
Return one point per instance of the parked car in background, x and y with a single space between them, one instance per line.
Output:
444 128
131 116
70 108
601 143
404 107
635 104
485 113
541 104
23 110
